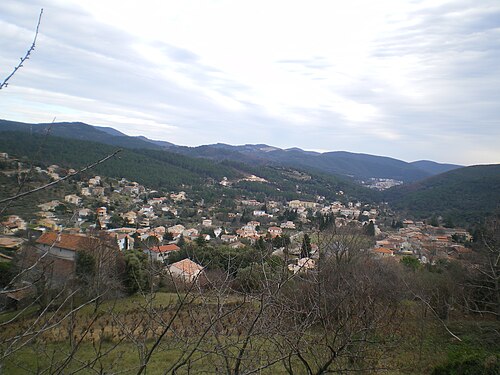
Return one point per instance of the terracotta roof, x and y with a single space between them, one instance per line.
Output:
66 241
383 250
11 242
165 248
187 266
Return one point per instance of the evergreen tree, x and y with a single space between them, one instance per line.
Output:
181 241
305 250
84 265
200 241
370 229
135 271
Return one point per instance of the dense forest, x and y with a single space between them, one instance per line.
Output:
460 196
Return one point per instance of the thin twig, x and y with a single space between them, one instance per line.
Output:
26 56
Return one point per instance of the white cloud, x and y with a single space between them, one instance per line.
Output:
363 76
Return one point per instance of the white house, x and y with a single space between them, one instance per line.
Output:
160 253
63 245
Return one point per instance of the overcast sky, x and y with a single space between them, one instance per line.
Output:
407 79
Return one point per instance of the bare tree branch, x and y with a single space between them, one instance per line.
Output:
25 57
69 175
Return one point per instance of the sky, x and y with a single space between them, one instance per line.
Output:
407 79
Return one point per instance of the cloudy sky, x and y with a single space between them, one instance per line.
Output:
407 79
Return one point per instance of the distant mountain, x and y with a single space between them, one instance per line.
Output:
353 165
110 131
462 195
434 168
358 166
80 131
162 144
171 171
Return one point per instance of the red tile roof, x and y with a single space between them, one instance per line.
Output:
383 250
187 266
67 241
165 248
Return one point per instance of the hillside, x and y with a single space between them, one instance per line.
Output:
80 131
163 169
357 166
170 171
433 167
461 195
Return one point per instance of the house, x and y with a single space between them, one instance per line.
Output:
160 253
73 199
85 191
303 265
236 245
229 238
253 224
49 206
207 223
275 231
251 202
288 225
4 155
144 222
383 252
191 233
53 168
301 204
176 229
65 246
95 181
84 212
181 196
124 241
129 217
13 224
50 224
98 191
186 270
156 201
101 212
11 243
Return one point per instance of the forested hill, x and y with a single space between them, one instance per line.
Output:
170 171
460 196
340 163
358 166
82 132
434 168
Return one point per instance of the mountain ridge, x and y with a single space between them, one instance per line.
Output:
359 166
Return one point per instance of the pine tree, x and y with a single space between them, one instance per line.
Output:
305 251
370 229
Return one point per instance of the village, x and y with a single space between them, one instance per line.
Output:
161 223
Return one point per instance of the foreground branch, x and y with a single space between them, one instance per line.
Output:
69 175
26 56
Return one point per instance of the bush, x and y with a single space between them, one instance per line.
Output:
470 366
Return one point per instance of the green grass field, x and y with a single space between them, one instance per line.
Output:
122 333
